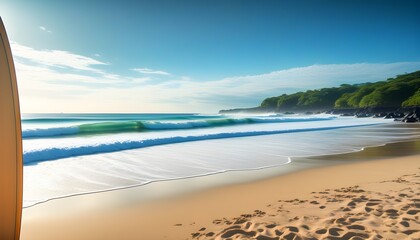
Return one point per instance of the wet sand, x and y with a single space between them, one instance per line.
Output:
359 200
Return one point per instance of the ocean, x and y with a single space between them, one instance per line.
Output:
71 154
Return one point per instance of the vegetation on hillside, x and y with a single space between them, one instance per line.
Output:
404 90
413 100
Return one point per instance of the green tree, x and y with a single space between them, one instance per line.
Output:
390 93
413 101
288 102
269 102
342 102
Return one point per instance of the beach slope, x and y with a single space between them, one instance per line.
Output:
375 199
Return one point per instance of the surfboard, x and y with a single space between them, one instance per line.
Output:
11 165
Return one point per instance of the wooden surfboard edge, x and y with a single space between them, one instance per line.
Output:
18 131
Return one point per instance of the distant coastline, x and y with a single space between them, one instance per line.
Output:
397 98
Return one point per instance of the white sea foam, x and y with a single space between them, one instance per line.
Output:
198 152
36 150
142 125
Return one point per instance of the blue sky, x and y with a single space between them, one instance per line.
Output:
201 56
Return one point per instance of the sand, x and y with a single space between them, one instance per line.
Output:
377 199
383 208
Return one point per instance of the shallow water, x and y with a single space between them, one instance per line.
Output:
122 168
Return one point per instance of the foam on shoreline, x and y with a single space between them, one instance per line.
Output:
183 216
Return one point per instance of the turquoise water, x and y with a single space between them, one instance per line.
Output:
68 154
78 124
145 130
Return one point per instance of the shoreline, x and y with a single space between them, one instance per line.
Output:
89 214
261 173
102 172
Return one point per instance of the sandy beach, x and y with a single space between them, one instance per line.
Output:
376 199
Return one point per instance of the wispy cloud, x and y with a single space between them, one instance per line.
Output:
61 81
49 79
55 58
248 91
45 29
150 71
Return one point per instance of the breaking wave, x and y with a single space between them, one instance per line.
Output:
146 125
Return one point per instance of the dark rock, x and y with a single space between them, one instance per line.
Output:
390 115
411 117
379 115
363 115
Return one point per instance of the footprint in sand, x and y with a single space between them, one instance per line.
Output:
353 235
305 227
353 216
356 227
352 220
195 235
409 232
335 231
413 212
291 236
405 223
217 221
278 232
392 213
370 204
262 237
232 232
321 231
271 226
292 229
351 204
240 220
405 208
